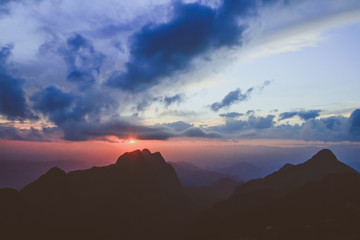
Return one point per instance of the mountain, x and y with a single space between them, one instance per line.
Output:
244 171
289 177
191 175
138 196
17 174
326 209
264 205
203 197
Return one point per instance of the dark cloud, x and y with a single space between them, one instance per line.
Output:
5 52
237 96
231 98
304 115
81 131
287 115
55 103
12 96
4 6
261 122
9 132
4 2
71 112
166 100
159 50
233 125
82 60
309 114
355 124
200 133
173 99
250 112
331 129
145 103
231 115
178 126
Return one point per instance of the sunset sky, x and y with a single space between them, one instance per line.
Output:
95 78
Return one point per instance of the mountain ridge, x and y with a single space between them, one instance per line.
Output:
140 196
247 214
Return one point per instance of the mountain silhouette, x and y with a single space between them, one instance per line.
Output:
17 174
256 206
139 195
191 175
288 178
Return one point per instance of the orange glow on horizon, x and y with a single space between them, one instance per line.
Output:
132 141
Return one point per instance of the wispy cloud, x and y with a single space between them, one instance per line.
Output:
232 97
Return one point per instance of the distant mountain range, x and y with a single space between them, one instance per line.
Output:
141 197
17 174
244 171
191 175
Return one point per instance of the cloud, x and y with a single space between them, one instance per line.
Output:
12 96
231 115
73 113
200 133
355 124
261 122
250 112
82 60
264 85
231 98
158 51
66 57
81 131
330 129
9 132
309 114
252 123
173 99
304 115
178 126
179 113
166 100
55 103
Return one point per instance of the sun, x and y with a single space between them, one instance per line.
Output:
132 141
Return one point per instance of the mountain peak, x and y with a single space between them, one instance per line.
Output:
136 155
286 166
146 152
324 155
290 177
55 171
144 156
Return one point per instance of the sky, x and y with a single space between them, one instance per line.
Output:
84 76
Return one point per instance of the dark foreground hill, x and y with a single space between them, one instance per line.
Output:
140 197
319 199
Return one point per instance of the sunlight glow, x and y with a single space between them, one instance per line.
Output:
131 141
